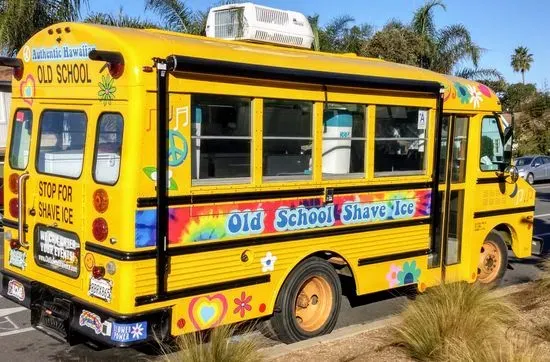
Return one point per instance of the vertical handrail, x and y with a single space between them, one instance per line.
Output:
21 194
162 179
435 202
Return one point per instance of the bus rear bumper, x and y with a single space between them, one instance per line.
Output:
537 246
70 319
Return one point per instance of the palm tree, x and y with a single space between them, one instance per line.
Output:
446 48
339 35
120 19
521 61
423 19
174 14
21 19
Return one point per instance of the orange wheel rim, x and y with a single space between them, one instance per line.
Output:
489 262
313 304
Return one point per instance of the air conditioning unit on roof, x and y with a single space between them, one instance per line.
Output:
251 22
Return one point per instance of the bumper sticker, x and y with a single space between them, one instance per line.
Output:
129 332
93 321
16 290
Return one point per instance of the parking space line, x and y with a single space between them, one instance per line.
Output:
17 331
542 215
542 187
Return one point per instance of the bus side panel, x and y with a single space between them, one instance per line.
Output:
265 268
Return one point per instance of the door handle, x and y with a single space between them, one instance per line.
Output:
21 194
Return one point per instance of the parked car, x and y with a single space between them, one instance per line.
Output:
533 168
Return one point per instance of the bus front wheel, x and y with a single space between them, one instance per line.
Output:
493 260
308 303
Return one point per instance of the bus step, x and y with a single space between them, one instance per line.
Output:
54 319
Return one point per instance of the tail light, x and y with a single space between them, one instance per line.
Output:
14 208
14 244
100 229
13 182
101 200
98 272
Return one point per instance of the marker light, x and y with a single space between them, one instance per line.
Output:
116 69
14 183
14 208
15 64
98 272
114 60
18 72
100 229
101 200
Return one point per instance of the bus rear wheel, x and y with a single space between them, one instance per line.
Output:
308 304
493 260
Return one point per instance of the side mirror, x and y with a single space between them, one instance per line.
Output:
508 132
512 172
536 165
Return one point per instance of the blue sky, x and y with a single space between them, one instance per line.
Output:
496 25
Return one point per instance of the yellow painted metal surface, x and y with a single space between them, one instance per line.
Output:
50 82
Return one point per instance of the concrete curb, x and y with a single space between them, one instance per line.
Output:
280 350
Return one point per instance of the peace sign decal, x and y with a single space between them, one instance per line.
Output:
177 148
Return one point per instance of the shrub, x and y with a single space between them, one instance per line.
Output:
216 346
454 322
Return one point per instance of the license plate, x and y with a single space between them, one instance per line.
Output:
18 259
16 290
101 288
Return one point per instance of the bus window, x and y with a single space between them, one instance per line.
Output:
492 152
287 141
221 137
107 148
21 139
344 140
62 141
399 140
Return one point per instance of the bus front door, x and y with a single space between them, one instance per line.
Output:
452 189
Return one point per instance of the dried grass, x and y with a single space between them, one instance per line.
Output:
219 345
455 322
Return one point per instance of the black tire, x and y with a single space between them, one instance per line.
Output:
530 179
496 240
284 322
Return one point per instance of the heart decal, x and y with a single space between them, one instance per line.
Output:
207 311
27 89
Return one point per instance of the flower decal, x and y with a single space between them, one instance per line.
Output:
268 262
463 93
137 331
484 90
243 304
476 96
151 172
391 277
107 89
409 274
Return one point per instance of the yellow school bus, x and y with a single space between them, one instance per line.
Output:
286 172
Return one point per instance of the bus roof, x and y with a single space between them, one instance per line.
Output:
140 46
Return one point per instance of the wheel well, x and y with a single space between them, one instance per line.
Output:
506 233
337 261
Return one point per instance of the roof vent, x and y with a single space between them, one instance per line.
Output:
257 23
